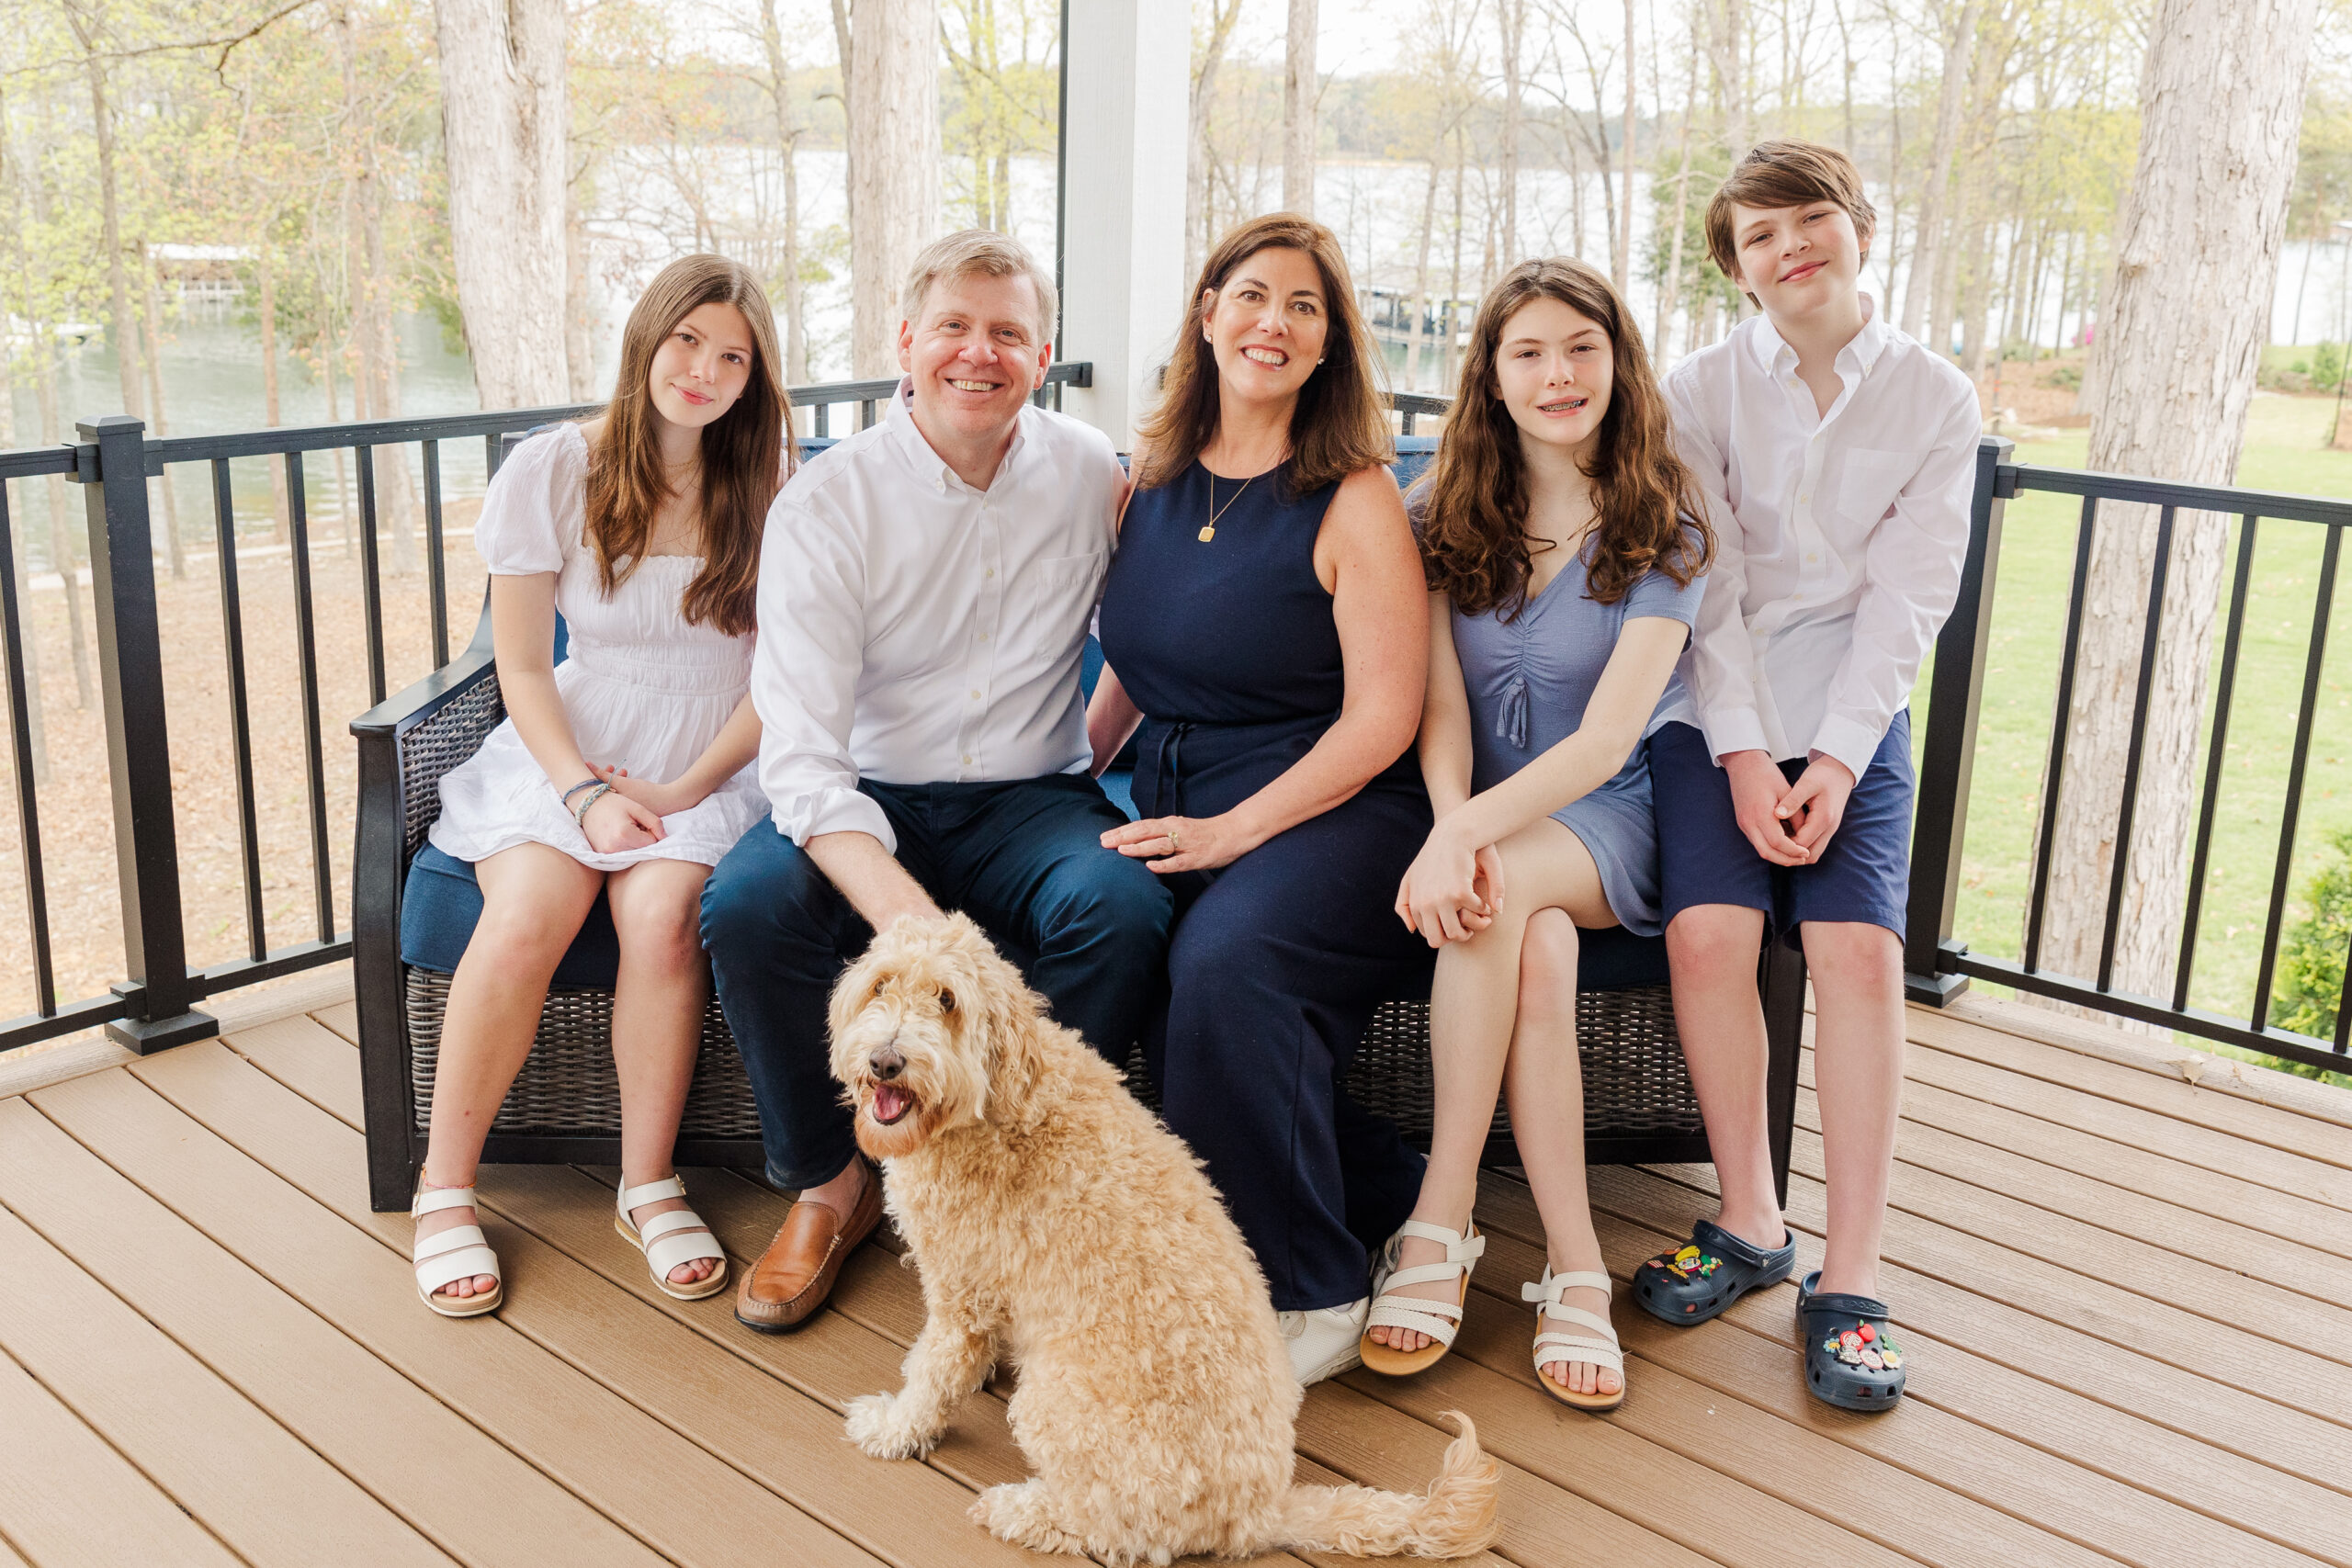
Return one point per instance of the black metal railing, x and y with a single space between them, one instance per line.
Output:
1941 964
155 1006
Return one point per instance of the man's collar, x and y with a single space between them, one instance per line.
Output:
929 466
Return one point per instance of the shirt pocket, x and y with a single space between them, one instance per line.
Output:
1060 593
1870 482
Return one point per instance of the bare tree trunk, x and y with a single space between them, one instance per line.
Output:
1734 76
1298 110
28 646
578 347
1197 135
1670 287
787 140
1931 256
121 328
151 313
1511 18
893 166
2221 93
1421 280
61 532
269 409
503 120
1453 286
1624 268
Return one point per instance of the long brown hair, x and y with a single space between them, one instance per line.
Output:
1474 498
1340 425
742 449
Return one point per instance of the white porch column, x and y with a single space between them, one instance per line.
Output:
1122 274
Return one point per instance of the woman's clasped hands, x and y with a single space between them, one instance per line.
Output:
1453 889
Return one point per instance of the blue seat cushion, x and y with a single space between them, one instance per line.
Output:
443 902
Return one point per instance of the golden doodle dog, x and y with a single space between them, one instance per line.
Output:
1059 1226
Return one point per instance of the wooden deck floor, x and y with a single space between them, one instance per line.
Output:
2128 1303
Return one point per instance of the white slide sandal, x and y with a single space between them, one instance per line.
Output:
1552 1345
459 1253
664 1246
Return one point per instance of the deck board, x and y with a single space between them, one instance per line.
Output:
2131 1123
756 1442
2186 1498
2270 1126
659 1486
2126 1301
466 1492
2185 1235
257 1487
2290 1216
67 1497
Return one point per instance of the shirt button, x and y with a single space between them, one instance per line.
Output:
984 637
991 572
976 695
1804 498
1812 559
968 759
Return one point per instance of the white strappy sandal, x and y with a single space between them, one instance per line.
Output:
1549 1343
459 1253
664 1249
1440 1320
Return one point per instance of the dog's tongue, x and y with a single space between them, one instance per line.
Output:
889 1102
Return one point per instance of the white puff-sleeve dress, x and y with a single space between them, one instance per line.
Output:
644 689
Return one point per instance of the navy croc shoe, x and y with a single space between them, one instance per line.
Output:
1707 1274
1851 1360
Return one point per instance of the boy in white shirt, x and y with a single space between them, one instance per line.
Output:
1837 457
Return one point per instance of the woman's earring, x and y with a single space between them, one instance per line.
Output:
1318 362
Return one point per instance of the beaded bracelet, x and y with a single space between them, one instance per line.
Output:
575 789
579 812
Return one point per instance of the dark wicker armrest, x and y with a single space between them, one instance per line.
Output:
406 744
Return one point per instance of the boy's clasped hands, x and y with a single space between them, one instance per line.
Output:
1790 824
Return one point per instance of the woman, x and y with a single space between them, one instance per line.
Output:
1263 621
1565 572
624 771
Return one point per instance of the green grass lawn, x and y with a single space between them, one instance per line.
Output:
2283 452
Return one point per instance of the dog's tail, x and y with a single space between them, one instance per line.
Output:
1453 1518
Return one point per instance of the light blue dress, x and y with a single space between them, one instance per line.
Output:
1529 679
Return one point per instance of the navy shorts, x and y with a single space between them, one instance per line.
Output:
1703 858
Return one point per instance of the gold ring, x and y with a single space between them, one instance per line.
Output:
1173 847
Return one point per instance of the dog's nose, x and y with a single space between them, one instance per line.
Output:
886 1063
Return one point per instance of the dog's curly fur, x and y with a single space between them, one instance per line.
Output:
1056 1223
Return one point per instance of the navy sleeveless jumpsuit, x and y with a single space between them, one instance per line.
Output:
1279 959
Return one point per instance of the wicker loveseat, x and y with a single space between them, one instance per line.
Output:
564 1107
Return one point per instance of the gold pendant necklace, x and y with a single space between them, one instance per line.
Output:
1215 511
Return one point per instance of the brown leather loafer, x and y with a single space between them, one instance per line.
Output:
797 1272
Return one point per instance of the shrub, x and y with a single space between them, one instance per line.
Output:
2310 957
2067 376
2328 366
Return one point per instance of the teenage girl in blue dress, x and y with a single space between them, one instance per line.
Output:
1564 573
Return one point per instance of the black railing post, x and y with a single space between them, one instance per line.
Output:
130 666
1940 829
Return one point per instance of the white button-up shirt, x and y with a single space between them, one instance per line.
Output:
1839 537
915 630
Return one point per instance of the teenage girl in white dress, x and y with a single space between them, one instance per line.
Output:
624 770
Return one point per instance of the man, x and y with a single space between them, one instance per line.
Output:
924 592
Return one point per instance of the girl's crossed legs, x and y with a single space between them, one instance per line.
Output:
1502 1017
534 899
